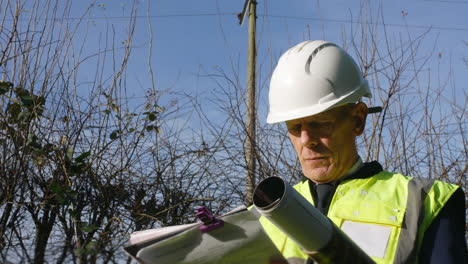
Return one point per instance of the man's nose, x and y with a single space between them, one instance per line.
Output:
308 137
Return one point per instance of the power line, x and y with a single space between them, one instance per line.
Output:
447 1
261 15
139 17
57 19
371 23
293 17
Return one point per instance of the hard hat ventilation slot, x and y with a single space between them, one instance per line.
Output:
312 56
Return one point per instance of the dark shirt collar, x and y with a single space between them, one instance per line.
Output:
359 170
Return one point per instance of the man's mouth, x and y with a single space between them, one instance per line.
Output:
315 158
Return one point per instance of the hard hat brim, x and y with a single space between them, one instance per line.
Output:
351 97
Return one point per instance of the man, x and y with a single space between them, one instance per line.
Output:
316 90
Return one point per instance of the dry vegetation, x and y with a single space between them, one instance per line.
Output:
83 165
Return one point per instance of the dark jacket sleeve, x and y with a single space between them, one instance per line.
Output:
444 240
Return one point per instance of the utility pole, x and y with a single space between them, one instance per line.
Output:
250 155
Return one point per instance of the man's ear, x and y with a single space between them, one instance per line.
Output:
359 114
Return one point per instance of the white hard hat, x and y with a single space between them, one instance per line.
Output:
312 77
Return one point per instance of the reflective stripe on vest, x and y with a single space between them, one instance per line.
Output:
397 206
408 241
295 260
434 195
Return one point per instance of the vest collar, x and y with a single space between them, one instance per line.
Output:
359 170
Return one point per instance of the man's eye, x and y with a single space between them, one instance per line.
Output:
323 128
326 125
326 128
294 128
314 125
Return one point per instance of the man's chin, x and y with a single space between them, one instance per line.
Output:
318 175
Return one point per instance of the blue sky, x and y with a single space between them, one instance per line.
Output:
190 35
194 38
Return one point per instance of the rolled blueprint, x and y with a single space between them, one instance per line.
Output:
315 233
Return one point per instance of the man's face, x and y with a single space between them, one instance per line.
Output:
325 143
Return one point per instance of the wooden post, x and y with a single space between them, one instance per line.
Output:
250 154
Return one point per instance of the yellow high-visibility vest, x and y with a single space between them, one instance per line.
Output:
386 215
